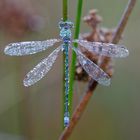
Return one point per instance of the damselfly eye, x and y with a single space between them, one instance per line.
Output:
70 24
61 24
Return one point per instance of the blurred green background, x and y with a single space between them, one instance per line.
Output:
35 113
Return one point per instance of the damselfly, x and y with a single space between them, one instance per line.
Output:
41 69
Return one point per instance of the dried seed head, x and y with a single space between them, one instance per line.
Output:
92 19
106 34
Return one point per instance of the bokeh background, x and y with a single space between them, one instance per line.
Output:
35 113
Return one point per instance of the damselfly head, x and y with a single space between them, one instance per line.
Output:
65 30
66 25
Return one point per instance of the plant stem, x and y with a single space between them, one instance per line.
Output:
65 10
73 62
65 16
121 26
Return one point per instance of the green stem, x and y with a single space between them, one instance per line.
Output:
76 36
65 16
65 10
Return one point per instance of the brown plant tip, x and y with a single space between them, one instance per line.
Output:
98 34
92 19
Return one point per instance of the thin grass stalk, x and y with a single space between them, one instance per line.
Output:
73 62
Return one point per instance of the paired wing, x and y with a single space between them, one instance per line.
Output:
106 49
41 69
92 69
27 48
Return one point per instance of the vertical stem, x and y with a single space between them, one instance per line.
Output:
65 16
72 70
65 10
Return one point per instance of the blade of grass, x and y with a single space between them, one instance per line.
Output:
65 10
73 62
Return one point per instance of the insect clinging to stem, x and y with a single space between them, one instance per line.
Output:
41 69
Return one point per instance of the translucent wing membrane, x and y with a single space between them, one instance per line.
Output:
92 69
106 49
41 69
30 47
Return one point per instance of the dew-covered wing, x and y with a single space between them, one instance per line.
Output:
41 69
29 47
106 49
92 69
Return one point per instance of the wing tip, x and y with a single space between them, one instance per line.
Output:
10 50
124 52
104 81
27 83
6 50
